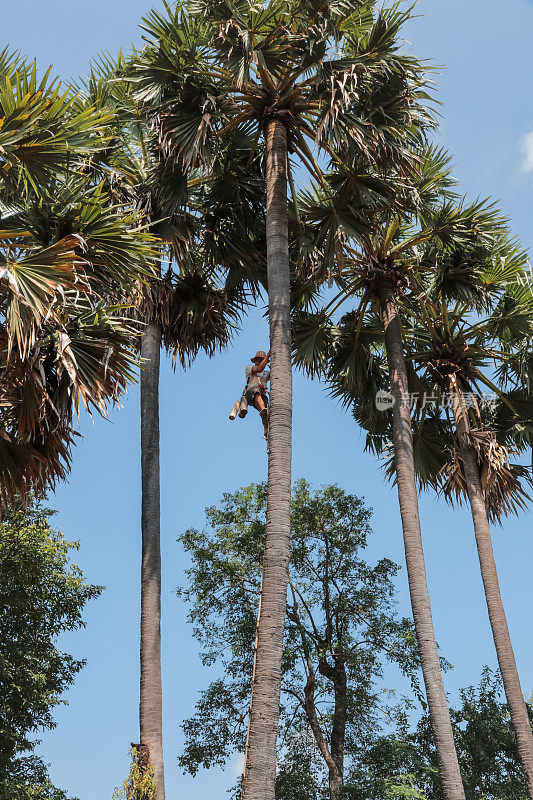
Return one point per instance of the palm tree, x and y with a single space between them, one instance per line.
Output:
378 269
300 76
472 316
199 317
464 316
181 308
63 246
500 631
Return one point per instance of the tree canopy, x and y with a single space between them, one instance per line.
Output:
341 626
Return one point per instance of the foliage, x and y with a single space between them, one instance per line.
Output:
68 254
485 743
201 223
28 780
354 105
139 785
341 625
299 772
42 594
461 284
403 788
466 317
42 130
384 756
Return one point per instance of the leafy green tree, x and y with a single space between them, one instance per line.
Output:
341 629
487 748
42 594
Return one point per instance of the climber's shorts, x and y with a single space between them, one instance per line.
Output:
250 397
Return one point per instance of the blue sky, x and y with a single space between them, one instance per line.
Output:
484 48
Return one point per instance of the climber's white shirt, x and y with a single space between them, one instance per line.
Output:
257 381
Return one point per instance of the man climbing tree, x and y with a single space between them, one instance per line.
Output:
255 392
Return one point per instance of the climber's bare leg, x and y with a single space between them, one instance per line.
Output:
263 411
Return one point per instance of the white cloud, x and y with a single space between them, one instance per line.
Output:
526 146
237 765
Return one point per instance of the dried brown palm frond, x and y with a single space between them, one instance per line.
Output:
501 482
20 469
204 317
193 312
33 463
154 299
85 363
33 467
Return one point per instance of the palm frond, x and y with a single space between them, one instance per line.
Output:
501 482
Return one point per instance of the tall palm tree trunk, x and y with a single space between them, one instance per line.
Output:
489 574
150 706
260 776
452 784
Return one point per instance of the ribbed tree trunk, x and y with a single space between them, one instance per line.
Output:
260 776
150 705
498 622
452 784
